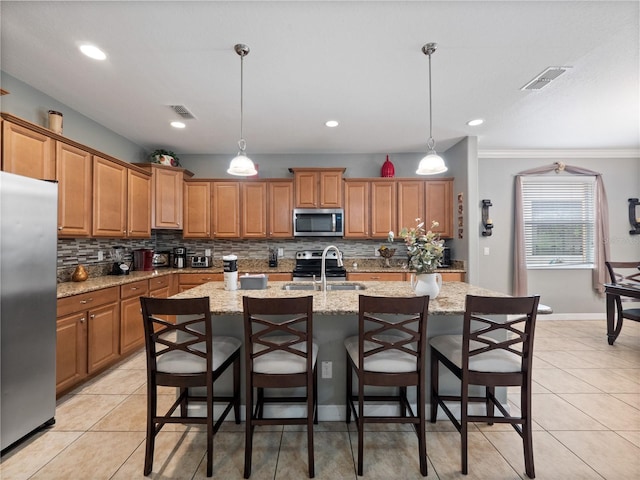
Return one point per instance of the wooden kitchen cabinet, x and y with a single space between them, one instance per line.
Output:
318 187
375 276
131 325
446 276
109 198
167 195
88 327
410 203
121 200
226 209
439 206
190 280
356 211
254 210
383 208
138 205
197 209
74 175
280 201
27 152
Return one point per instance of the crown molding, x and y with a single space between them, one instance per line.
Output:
560 153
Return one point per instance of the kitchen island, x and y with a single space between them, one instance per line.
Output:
335 318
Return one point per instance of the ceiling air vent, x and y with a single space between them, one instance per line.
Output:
182 111
545 78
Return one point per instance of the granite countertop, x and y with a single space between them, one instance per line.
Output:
67 289
450 301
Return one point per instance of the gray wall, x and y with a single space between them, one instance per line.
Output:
567 290
30 104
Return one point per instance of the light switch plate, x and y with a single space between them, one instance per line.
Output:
281 252
327 370
207 252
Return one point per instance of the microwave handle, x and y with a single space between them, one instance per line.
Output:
333 222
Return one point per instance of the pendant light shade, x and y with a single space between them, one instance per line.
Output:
432 163
242 165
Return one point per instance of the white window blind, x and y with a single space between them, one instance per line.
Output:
559 221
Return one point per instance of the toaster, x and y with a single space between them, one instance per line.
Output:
200 262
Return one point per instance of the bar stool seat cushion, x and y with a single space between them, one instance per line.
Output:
183 362
387 361
280 362
497 360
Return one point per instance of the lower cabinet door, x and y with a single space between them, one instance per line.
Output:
71 350
103 336
131 326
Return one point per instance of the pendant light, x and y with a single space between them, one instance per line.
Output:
242 165
432 163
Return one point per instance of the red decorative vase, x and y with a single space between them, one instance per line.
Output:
387 169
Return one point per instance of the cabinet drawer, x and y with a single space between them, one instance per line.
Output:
200 278
159 282
134 289
85 301
377 276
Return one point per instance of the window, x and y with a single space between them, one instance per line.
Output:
559 221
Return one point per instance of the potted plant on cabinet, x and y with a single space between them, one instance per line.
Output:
165 157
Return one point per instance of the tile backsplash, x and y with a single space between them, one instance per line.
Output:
85 251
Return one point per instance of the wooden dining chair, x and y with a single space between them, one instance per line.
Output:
624 272
491 352
279 354
186 355
389 351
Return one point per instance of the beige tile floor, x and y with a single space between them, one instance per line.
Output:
586 411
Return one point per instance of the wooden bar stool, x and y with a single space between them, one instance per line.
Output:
476 358
279 353
628 273
389 351
186 355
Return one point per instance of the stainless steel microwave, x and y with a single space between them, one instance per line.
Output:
318 222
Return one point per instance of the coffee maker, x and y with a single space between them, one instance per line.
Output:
143 259
179 257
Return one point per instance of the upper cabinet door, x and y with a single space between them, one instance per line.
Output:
138 204
254 210
281 209
73 167
306 189
383 208
109 198
439 206
331 189
410 203
356 211
197 210
27 153
167 198
226 209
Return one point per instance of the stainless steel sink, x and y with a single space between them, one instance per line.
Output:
330 286
345 286
298 286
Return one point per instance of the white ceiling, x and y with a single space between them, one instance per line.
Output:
357 62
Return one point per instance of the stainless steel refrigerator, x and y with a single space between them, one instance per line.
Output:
28 242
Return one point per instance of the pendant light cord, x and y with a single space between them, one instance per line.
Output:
431 142
242 143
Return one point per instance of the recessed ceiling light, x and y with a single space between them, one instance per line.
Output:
331 123
92 51
178 125
476 122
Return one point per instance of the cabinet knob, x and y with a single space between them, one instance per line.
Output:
84 302
92 316
82 320
134 288
60 228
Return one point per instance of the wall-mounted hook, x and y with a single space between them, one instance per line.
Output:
634 218
487 223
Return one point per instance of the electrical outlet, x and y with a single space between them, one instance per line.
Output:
207 252
280 252
486 251
100 255
327 370
376 252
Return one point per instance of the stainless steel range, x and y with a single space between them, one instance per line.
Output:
309 262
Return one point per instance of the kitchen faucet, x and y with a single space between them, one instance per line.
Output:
323 269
